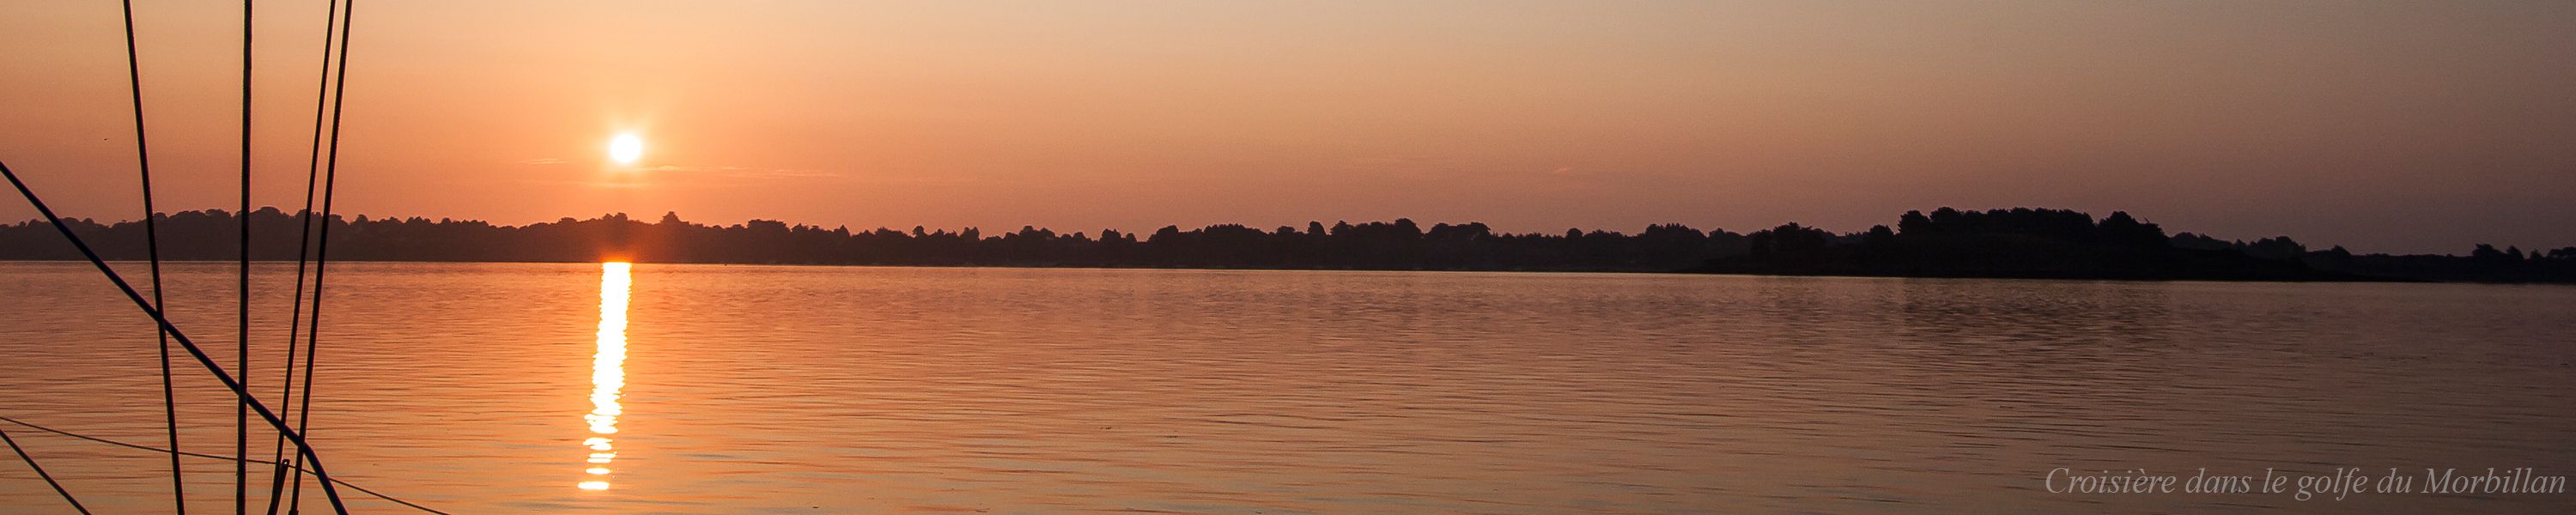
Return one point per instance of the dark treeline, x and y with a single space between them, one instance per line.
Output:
1945 243
2051 243
1399 245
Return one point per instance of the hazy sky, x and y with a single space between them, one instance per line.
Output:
2384 126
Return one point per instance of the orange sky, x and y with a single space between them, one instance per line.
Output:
2384 126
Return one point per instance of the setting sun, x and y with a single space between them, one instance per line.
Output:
626 148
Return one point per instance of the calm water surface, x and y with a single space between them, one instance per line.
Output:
509 388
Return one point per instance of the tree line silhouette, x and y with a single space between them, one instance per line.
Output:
2020 242
2054 243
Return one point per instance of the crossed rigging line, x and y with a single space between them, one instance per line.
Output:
241 392
323 170
40 472
152 248
164 330
352 486
315 169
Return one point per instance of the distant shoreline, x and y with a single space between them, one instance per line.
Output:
2341 279
2020 243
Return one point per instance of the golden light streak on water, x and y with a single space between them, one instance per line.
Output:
607 373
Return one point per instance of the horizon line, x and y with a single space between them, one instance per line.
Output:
926 229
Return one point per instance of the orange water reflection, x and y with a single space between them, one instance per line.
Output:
607 374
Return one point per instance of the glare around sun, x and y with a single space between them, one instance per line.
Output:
626 148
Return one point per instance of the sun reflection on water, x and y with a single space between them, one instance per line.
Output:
607 374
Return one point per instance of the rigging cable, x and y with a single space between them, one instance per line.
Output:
303 254
322 242
352 486
241 345
241 392
40 472
152 249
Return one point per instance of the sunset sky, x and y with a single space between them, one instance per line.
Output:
2382 126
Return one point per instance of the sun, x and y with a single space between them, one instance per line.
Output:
626 148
